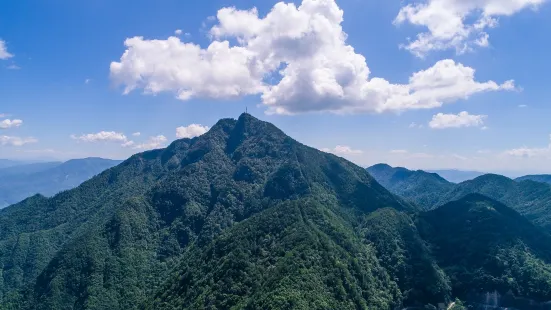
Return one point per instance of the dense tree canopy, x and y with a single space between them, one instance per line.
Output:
244 217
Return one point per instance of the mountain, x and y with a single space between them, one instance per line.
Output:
21 181
423 188
27 168
484 246
243 217
5 163
543 178
111 242
457 176
529 198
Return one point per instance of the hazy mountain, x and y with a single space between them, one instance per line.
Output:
21 181
23 169
245 217
457 176
529 198
544 178
4 163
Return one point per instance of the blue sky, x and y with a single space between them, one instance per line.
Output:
61 97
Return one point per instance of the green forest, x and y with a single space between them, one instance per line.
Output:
245 217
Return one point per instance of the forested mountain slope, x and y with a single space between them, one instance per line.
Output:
483 246
423 188
245 217
428 191
109 242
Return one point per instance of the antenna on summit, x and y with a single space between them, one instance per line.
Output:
246 110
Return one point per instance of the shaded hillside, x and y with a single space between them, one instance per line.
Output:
428 191
20 182
423 188
484 246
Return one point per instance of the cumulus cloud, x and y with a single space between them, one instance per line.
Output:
191 131
463 119
178 32
7 123
456 24
137 134
152 143
102 136
4 51
342 150
295 58
16 141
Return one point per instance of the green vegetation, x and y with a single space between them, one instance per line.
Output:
21 181
428 190
245 217
423 188
484 246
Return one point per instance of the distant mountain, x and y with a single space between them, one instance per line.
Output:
24 169
245 217
544 178
423 188
428 191
21 181
4 163
457 176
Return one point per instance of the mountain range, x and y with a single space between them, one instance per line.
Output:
19 180
428 190
245 217
457 176
544 178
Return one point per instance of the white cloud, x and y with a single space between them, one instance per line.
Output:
399 152
87 81
456 24
152 143
530 152
137 134
7 123
296 58
522 106
178 32
463 119
527 152
415 125
4 51
3 115
342 150
13 67
102 136
128 143
16 141
191 131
